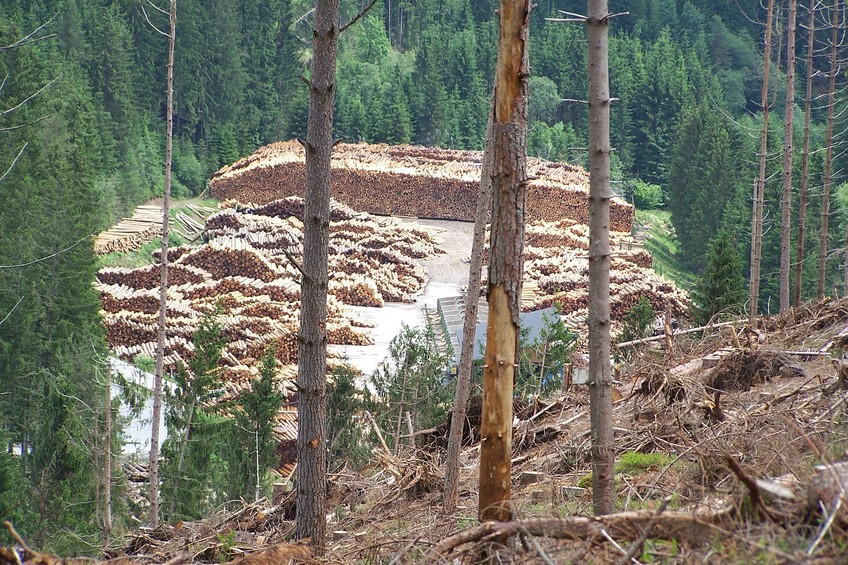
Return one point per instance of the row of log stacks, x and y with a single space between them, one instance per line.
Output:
424 182
248 271
556 268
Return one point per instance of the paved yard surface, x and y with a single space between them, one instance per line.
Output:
448 274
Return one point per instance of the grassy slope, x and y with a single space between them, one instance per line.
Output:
662 243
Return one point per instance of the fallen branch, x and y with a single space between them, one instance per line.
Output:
634 548
751 484
685 527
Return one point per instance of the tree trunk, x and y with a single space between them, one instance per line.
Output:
805 158
759 186
311 520
181 460
828 158
788 145
509 178
107 462
153 493
469 327
600 380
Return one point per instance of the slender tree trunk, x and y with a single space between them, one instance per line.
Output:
469 326
600 379
805 158
258 494
788 146
509 178
828 158
401 405
107 462
163 283
759 186
311 521
181 460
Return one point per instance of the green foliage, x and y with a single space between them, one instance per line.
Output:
346 437
15 495
541 362
721 289
544 100
192 457
637 320
411 381
634 462
255 411
707 183
646 196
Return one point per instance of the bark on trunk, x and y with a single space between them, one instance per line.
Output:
805 158
153 492
788 146
310 521
469 326
509 178
107 462
828 159
759 186
600 379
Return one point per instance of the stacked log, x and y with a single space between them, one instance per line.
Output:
232 257
131 233
423 182
557 267
150 276
248 272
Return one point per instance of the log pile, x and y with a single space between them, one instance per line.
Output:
149 277
131 233
557 268
424 182
248 271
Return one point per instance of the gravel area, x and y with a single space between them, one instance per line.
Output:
448 273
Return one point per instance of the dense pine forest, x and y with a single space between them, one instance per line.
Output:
82 127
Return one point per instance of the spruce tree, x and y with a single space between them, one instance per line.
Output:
721 289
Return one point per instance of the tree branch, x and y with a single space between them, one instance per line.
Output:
28 98
21 299
26 125
29 38
12 166
40 259
356 18
146 17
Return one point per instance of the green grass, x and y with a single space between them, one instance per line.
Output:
662 244
142 256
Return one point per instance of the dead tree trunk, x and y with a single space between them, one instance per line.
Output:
509 178
312 350
107 462
828 158
600 379
760 184
469 326
805 156
788 146
153 493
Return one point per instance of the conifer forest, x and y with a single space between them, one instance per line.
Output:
728 138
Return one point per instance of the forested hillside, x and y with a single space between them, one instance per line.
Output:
82 111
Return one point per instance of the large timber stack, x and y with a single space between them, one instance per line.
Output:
405 180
